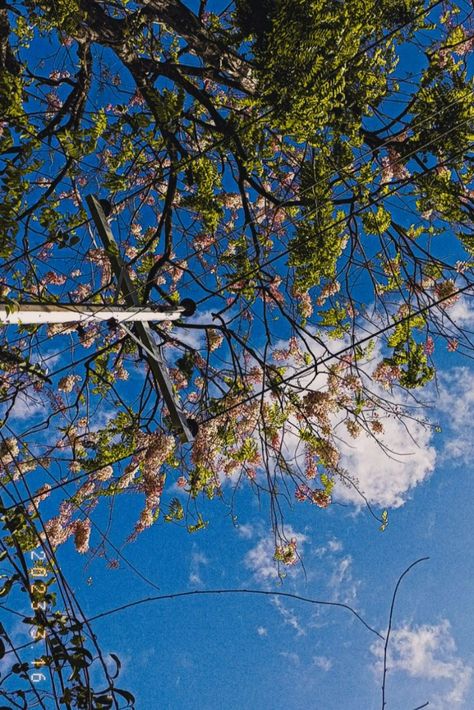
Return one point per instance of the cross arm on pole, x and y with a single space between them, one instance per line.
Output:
142 330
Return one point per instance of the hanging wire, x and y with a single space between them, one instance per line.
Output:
255 120
347 218
352 346
62 484
288 250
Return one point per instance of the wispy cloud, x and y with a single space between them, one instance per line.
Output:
288 615
342 583
456 403
27 405
291 656
198 561
245 531
322 662
333 545
260 558
428 653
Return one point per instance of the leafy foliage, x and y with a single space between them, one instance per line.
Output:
277 163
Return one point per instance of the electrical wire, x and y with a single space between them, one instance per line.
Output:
253 121
332 356
346 218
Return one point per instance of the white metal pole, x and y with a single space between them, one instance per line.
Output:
32 314
145 335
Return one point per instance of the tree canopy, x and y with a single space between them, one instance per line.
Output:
278 162
303 171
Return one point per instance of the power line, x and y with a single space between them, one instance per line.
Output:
275 258
352 346
253 121
346 218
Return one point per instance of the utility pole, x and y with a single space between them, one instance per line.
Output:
187 427
39 313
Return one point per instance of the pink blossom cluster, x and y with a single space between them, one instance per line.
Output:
353 428
53 279
305 304
88 335
58 75
319 405
4 289
328 290
82 533
203 241
376 426
120 372
58 529
447 291
22 467
100 258
45 252
104 474
53 103
60 329
232 200
311 469
206 446
41 494
321 498
461 266
429 346
80 293
177 270
273 289
386 374
179 378
287 552
67 383
137 99
392 167
9 450
215 339
159 447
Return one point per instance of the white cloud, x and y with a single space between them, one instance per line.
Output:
27 405
245 531
334 545
198 560
385 469
385 477
47 360
325 664
262 631
460 313
342 583
260 558
195 338
428 653
456 402
291 656
288 615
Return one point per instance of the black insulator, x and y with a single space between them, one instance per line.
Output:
189 307
193 426
106 206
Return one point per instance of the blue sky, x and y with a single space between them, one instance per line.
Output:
244 651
